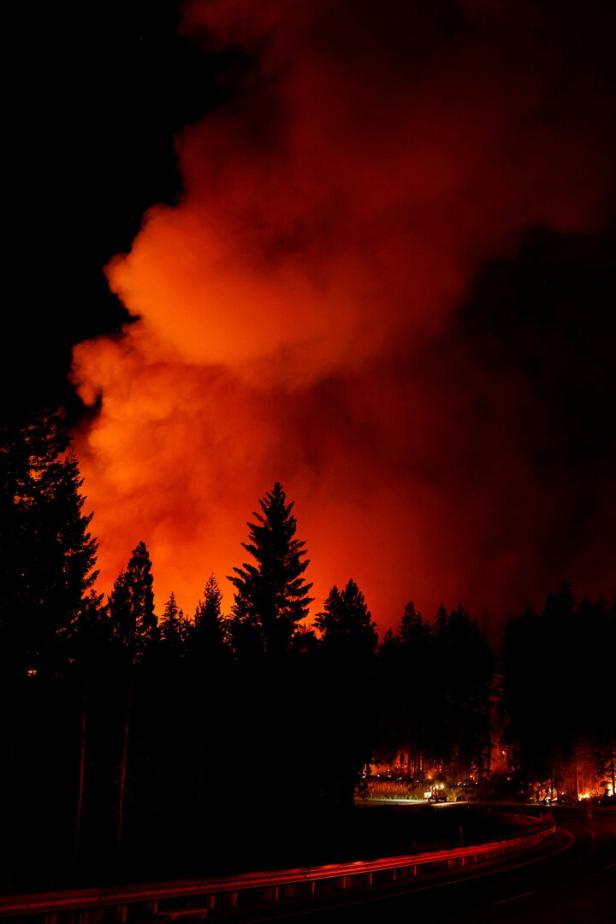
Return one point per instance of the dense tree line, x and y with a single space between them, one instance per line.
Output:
559 687
437 686
133 743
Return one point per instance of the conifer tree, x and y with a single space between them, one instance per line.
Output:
208 632
214 697
47 560
135 629
416 694
441 623
88 647
413 629
120 614
271 596
131 605
346 623
47 554
173 627
469 667
348 646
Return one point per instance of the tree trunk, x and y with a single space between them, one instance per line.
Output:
123 768
83 730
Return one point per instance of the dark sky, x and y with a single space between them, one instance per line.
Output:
98 93
449 170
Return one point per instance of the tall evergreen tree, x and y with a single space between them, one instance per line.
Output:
441 622
135 629
214 692
209 631
412 629
47 554
407 690
173 628
271 596
89 650
348 646
47 560
469 668
131 605
346 623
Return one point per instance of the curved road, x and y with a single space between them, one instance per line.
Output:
574 884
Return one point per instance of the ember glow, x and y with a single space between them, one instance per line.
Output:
297 308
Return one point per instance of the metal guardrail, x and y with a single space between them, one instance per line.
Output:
146 901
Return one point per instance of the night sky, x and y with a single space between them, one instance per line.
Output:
372 255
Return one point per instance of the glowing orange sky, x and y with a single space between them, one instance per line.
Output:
295 309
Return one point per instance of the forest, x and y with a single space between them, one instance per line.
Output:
132 735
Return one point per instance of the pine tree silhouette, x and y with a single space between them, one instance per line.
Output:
208 635
47 554
173 628
346 623
135 629
348 646
271 595
131 605
47 560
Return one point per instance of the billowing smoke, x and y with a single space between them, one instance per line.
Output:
299 307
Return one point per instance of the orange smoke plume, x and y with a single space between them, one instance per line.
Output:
297 306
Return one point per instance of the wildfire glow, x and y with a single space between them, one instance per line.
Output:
296 310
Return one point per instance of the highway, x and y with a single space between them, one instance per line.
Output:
562 871
575 883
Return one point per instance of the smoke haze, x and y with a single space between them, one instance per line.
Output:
303 309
